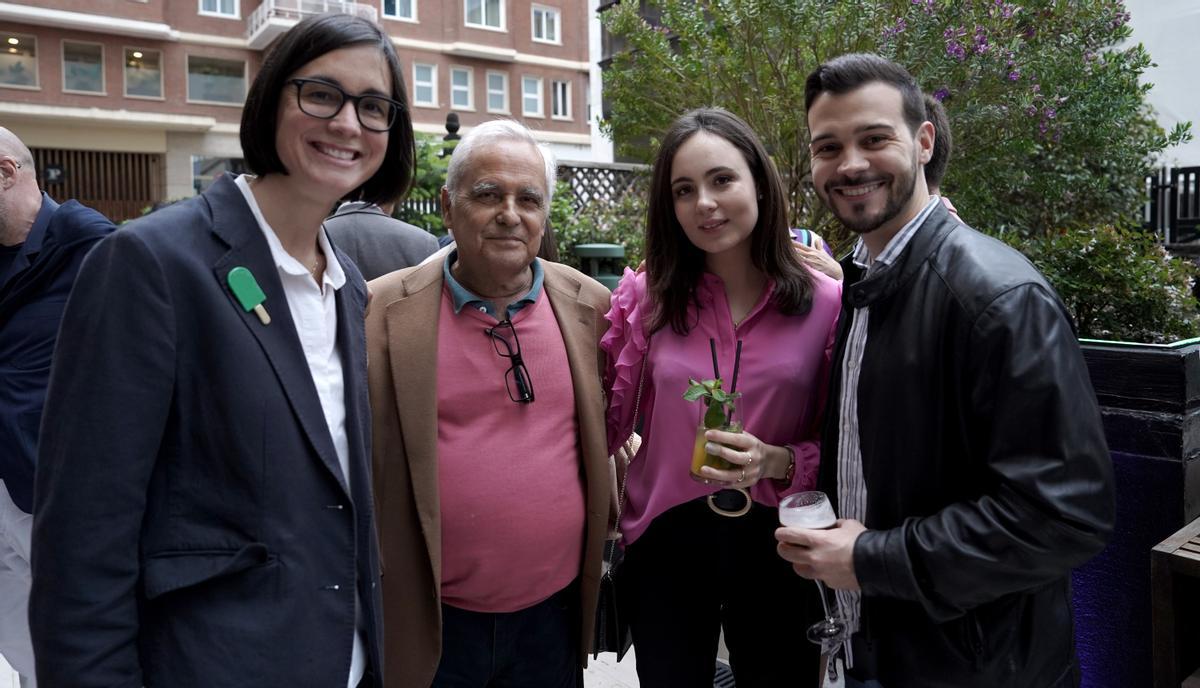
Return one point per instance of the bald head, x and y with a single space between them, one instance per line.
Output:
20 198
13 147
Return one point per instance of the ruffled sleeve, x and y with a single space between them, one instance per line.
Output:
625 345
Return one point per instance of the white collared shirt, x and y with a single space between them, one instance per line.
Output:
314 312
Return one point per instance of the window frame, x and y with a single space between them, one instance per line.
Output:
470 88
541 97
125 49
534 24
37 64
397 17
501 27
62 50
570 114
237 10
432 83
187 63
507 109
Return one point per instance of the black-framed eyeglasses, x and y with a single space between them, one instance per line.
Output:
516 378
324 100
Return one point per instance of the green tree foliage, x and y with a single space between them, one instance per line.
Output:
427 185
620 220
1118 283
1051 126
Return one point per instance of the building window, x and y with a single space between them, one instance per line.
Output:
488 14
213 80
219 8
83 67
545 25
424 84
18 60
531 96
205 171
497 92
143 73
461 87
400 9
560 100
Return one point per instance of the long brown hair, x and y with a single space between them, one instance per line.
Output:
674 264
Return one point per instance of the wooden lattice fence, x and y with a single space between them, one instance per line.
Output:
599 181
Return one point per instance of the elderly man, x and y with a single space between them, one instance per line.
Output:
963 444
42 244
491 472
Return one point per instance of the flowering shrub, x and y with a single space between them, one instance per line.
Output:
1118 284
1051 126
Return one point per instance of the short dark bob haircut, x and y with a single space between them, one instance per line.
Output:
848 72
303 43
674 264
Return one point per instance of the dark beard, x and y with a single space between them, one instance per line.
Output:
897 199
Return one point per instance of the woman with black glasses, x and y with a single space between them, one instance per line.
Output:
204 498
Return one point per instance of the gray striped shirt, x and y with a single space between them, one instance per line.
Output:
852 489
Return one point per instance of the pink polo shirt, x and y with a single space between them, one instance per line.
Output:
783 379
513 509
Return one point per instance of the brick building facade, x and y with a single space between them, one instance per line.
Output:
128 102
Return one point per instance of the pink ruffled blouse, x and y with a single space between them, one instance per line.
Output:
783 379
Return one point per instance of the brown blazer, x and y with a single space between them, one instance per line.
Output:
402 366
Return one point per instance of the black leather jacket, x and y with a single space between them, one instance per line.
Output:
988 477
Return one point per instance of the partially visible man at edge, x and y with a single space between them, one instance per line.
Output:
377 242
490 460
943 146
964 449
42 245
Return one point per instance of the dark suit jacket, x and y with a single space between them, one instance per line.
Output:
192 526
402 336
33 293
377 242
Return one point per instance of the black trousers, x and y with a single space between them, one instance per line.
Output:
537 647
694 572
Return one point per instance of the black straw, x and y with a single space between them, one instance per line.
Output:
712 346
737 362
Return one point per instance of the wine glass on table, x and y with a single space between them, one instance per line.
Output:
812 510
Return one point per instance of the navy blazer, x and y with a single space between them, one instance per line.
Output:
192 527
33 293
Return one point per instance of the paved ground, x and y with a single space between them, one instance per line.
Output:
8 677
604 672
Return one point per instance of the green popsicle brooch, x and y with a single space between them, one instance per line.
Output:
248 293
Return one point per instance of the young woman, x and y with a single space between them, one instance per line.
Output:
721 267
204 501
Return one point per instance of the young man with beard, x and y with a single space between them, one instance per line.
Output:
963 448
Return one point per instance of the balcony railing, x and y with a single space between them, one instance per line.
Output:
273 17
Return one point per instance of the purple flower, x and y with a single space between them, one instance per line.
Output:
941 94
1031 111
896 30
981 41
955 50
1050 113
1014 75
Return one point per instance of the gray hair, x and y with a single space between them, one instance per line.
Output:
491 132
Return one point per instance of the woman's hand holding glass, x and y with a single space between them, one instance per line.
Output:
753 460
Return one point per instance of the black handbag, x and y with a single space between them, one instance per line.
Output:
611 633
